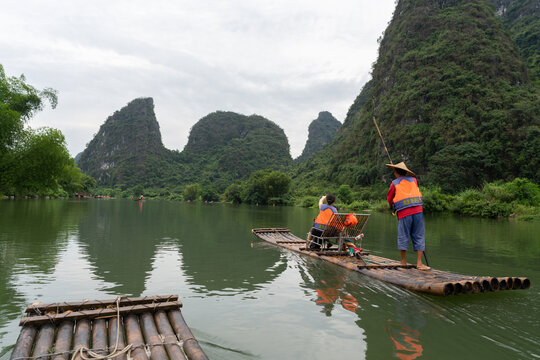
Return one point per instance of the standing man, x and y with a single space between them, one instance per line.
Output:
405 198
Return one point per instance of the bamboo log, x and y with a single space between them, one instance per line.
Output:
191 345
63 341
92 314
157 351
134 337
517 283
510 283
441 288
169 338
82 336
23 346
113 335
494 283
99 337
458 288
525 283
80 305
467 287
44 342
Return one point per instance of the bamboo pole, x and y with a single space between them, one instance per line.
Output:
114 326
44 342
525 283
157 351
502 284
101 313
191 345
510 283
169 338
63 341
82 337
23 346
80 305
99 337
442 288
134 337
517 283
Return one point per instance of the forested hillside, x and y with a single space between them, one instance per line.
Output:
128 150
453 99
222 147
320 132
522 20
226 146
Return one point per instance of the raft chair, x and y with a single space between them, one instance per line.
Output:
343 232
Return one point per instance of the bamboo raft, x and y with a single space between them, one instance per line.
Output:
432 281
142 328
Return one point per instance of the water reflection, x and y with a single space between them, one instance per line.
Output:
217 256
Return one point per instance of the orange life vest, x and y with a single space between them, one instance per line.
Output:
321 221
407 193
350 220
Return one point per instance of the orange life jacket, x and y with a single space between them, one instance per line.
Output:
321 221
350 220
407 193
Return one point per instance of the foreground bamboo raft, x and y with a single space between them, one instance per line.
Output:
433 281
143 328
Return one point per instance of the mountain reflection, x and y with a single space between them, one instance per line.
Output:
121 239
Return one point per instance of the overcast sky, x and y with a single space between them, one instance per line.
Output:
286 60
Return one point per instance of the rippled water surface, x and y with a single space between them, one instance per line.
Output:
245 299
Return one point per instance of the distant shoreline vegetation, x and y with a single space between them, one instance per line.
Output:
518 199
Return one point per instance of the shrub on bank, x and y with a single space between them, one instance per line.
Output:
308 201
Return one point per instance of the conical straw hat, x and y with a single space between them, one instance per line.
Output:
401 166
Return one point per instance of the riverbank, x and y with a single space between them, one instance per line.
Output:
518 199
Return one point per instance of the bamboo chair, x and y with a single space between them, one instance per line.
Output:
335 232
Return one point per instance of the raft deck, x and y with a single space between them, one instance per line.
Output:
432 281
142 328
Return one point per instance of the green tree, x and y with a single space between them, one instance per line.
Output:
38 161
233 193
345 194
265 184
208 193
137 190
31 161
191 192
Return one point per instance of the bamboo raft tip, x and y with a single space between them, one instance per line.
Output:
59 331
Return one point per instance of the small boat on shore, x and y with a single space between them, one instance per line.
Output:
142 328
432 281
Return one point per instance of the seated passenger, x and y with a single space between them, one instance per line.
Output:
321 221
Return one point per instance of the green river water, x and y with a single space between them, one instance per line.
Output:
245 299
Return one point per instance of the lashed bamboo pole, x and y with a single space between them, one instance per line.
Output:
99 337
525 283
191 345
517 283
81 305
442 288
169 338
114 327
157 351
63 341
44 342
135 337
82 337
23 346
92 314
